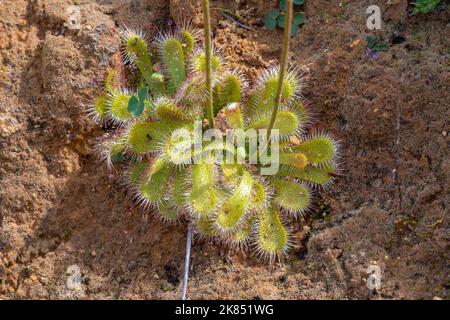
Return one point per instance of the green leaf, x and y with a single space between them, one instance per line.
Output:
101 107
143 93
136 50
259 196
286 122
376 44
317 175
272 237
154 186
167 211
297 160
226 91
234 116
381 47
119 107
273 14
199 62
166 109
281 20
234 207
294 30
263 98
291 196
205 225
144 137
269 22
136 172
156 85
232 172
135 107
187 42
319 150
203 197
111 82
283 4
425 6
371 41
179 187
299 18
243 233
178 148
174 60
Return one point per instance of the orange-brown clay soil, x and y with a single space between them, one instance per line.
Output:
60 207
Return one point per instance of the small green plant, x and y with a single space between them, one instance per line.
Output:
197 91
376 44
136 104
277 17
425 6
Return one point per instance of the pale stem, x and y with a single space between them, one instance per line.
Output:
283 65
209 102
187 261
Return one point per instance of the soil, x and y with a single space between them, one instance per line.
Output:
61 207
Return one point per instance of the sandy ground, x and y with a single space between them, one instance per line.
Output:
60 207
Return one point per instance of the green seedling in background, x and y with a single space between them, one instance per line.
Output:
298 20
296 2
278 18
376 44
425 6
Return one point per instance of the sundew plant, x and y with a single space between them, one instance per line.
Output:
193 90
